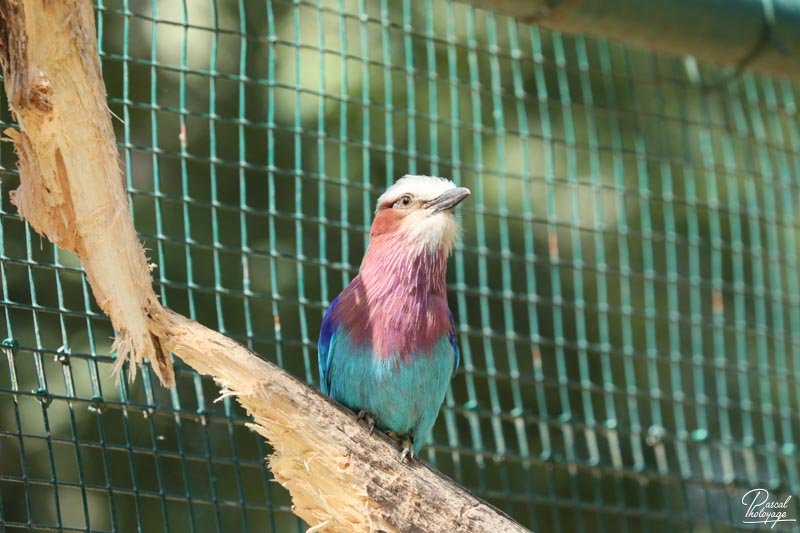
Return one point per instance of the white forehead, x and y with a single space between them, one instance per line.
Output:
423 187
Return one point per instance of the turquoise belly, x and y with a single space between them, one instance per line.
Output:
402 397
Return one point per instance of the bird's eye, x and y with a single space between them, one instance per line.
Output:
404 201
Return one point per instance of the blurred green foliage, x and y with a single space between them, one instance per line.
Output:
626 290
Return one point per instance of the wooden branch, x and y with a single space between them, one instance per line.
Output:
340 477
337 473
71 180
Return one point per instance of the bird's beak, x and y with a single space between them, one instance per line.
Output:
448 200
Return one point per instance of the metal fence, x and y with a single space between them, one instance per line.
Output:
626 291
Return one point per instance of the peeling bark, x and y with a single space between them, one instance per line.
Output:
71 186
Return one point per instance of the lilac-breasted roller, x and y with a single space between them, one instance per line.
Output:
387 346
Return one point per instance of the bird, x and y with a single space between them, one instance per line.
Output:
387 345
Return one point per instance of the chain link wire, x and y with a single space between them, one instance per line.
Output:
625 293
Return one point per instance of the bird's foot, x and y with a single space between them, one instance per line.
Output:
408 449
406 441
362 415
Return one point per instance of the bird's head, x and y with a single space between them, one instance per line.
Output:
418 210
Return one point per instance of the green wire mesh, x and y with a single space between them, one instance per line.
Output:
626 292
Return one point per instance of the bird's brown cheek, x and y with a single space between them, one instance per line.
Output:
387 221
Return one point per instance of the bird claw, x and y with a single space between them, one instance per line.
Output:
362 415
408 449
406 441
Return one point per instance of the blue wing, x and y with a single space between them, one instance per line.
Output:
324 347
453 343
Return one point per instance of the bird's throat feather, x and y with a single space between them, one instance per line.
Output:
397 305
